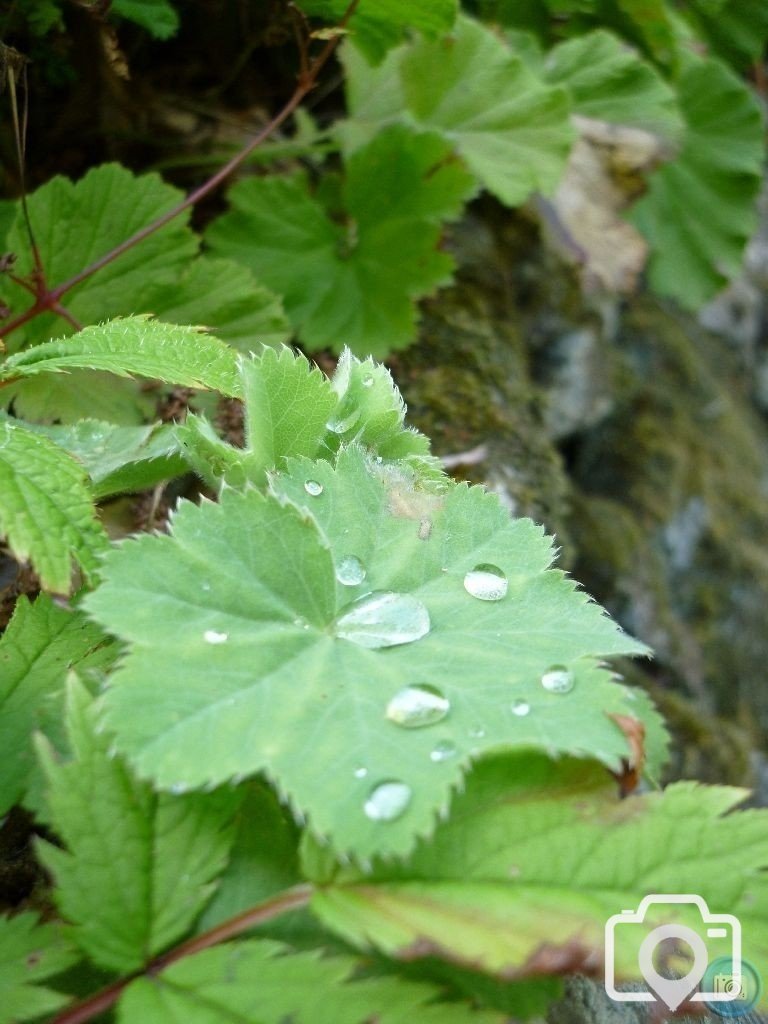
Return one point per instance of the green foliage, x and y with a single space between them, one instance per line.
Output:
381 256
700 209
549 847
30 953
138 866
158 17
41 643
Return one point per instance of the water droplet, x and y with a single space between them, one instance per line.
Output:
383 619
486 582
443 751
360 773
416 706
341 424
477 733
350 571
313 487
368 380
212 637
387 801
178 788
557 679
521 708
205 586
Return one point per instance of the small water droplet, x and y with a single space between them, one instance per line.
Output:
387 801
383 619
350 571
205 586
360 773
417 706
558 679
313 487
477 733
368 380
178 788
521 708
486 582
443 751
212 637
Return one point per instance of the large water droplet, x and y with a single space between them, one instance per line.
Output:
313 487
212 637
417 706
558 679
486 582
341 424
521 708
350 571
387 801
383 619
443 751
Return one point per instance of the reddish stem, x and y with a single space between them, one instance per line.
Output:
291 899
48 300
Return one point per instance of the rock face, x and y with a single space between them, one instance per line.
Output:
636 436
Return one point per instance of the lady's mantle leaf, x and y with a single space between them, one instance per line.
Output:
46 509
538 855
138 866
352 283
243 612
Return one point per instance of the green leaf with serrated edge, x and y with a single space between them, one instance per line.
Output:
735 30
610 82
41 643
287 405
241 604
378 25
226 297
30 953
512 130
700 209
135 346
119 459
138 867
353 284
264 982
69 237
213 459
46 509
656 738
550 847
69 397
158 17
264 858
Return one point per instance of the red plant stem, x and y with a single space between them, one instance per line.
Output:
48 300
291 899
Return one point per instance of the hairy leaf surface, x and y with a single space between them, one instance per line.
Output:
243 614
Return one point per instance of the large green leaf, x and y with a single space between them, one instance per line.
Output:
609 81
30 953
379 24
268 983
512 130
41 643
46 508
287 628
134 346
700 208
736 30
138 867
538 855
352 283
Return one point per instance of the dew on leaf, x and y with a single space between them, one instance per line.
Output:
341 424
558 679
350 571
178 788
368 381
521 708
383 619
387 801
443 751
417 706
360 773
206 586
212 637
486 582
477 733
313 487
